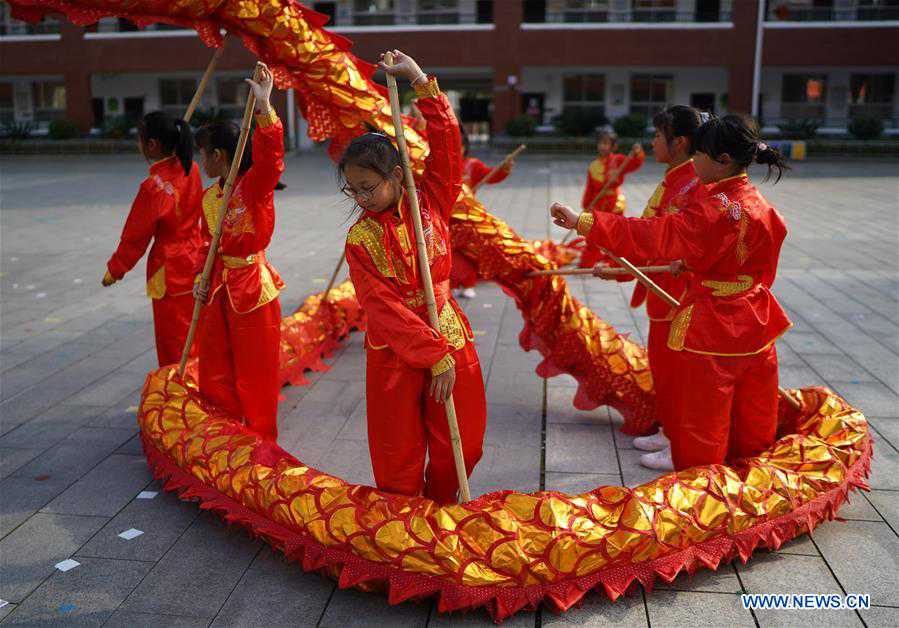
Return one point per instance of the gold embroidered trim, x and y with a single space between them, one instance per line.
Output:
597 169
156 284
451 327
369 234
231 261
428 89
268 291
679 326
443 365
742 250
652 206
211 207
729 288
417 300
266 119
585 223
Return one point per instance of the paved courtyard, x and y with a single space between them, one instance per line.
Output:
74 356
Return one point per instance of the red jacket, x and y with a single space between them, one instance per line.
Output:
383 262
612 200
240 265
166 210
474 170
730 240
678 189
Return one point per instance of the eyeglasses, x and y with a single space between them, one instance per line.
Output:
363 195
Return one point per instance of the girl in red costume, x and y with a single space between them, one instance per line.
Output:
412 369
672 145
166 210
240 326
608 166
464 275
722 369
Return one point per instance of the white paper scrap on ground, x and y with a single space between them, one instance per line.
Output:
67 564
130 534
147 494
3 603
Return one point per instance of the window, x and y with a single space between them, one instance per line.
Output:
803 96
485 11
12 26
878 10
650 93
801 10
586 11
654 10
534 10
7 104
872 95
373 12
708 10
328 8
232 95
49 98
438 12
175 94
586 92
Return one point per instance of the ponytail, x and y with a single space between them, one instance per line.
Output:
184 149
173 135
738 137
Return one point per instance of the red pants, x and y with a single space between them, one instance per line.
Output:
722 408
463 273
659 356
405 423
239 356
171 320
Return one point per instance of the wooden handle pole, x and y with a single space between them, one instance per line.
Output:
223 210
202 86
515 153
589 271
334 275
670 300
424 265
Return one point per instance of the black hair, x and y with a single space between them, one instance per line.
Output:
374 151
173 134
465 146
224 136
609 133
678 121
738 136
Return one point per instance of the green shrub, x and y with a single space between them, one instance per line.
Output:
521 126
799 129
580 122
118 127
865 127
62 129
631 125
18 130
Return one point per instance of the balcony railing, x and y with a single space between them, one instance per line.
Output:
837 11
599 15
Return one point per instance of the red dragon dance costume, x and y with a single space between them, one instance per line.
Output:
722 373
166 210
240 326
464 274
402 351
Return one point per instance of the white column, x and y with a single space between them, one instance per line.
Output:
757 61
291 121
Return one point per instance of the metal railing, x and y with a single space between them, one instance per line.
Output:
836 11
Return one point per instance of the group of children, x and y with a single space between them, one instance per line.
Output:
712 357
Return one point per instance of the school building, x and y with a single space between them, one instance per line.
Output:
783 60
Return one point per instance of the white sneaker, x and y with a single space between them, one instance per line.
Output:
658 460
653 442
469 293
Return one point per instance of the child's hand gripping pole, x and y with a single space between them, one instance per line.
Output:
223 210
424 265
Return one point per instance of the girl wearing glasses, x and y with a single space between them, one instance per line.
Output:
411 369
